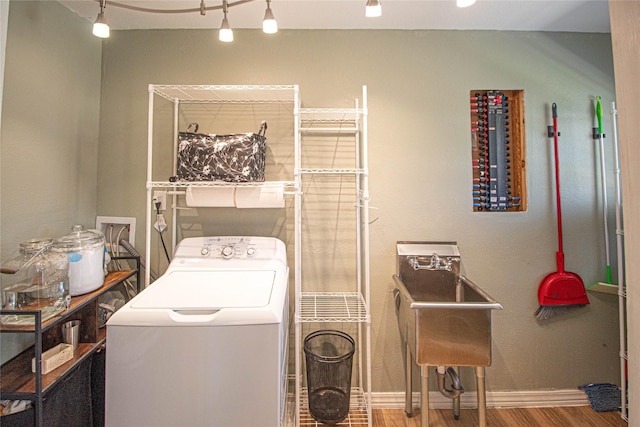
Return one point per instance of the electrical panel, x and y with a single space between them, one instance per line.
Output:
498 151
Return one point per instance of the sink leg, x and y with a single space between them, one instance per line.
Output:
456 402
424 396
482 398
408 398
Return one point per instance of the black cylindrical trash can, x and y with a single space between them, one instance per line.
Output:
329 357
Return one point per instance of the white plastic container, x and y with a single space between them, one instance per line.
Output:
85 250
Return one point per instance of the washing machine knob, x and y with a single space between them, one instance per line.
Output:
251 251
227 252
204 251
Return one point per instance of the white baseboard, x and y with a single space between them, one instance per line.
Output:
496 399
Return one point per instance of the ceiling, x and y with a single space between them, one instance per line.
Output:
517 15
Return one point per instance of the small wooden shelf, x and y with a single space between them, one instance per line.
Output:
16 379
605 288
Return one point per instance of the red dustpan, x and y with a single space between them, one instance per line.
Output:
561 289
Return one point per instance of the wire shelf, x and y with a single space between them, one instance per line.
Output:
328 113
358 415
332 307
332 130
181 184
333 171
202 94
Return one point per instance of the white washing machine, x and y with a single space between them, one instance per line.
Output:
206 343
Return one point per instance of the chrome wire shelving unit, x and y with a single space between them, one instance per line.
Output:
622 288
248 105
332 172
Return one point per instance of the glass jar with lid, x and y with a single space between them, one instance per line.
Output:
35 278
85 250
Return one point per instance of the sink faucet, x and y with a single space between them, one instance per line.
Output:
435 263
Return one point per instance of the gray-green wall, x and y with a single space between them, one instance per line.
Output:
420 165
50 122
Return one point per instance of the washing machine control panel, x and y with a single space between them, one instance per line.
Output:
228 247
216 252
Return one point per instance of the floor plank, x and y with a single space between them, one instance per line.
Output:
582 416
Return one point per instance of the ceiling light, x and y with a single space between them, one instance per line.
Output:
269 24
464 3
100 27
226 33
373 9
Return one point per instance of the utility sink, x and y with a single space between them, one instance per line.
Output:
444 318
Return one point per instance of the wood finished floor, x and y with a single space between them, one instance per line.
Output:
582 416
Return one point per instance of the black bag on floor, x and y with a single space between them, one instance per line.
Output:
231 158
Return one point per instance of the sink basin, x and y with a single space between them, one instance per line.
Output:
444 318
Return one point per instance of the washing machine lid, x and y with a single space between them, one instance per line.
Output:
201 290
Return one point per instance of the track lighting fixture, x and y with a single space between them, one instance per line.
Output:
226 33
373 9
100 27
269 24
464 3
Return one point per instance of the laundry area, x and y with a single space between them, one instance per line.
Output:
313 226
